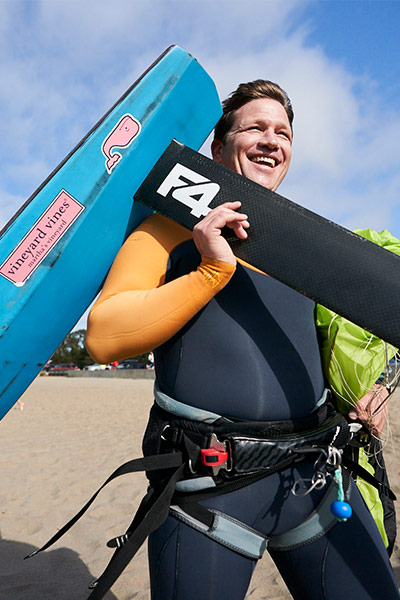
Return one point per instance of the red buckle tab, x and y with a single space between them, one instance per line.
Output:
211 457
216 456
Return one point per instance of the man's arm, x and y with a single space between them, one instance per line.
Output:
137 311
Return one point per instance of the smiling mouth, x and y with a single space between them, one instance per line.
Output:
266 160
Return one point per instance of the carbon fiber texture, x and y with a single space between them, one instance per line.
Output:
315 256
250 454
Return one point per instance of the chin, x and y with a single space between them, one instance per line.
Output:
267 183
265 179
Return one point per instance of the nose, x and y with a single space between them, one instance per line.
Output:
269 139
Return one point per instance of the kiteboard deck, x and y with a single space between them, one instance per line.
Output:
57 249
320 259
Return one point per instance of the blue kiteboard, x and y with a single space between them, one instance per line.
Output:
57 249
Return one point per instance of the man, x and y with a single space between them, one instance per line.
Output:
234 342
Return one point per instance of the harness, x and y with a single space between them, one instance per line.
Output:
192 455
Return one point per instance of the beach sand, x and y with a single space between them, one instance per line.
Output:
72 433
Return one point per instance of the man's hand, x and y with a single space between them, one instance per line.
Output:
366 406
207 233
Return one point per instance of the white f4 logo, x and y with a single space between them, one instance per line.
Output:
198 197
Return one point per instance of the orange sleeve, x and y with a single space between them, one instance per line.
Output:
136 311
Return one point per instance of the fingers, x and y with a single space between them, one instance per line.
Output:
207 233
226 215
371 409
239 228
236 221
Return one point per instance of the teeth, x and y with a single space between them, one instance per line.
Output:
264 159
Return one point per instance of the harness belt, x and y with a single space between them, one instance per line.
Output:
192 455
236 448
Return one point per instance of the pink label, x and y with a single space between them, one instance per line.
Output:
41 238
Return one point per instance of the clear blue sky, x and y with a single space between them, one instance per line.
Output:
63 63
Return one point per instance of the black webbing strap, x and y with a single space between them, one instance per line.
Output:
150 521
148 463
320 259
358 470
199 512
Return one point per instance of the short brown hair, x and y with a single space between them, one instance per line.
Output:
245 92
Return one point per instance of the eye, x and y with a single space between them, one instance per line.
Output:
253 128
285 134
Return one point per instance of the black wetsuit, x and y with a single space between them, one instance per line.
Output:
252 353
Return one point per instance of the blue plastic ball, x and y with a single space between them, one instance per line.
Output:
341 510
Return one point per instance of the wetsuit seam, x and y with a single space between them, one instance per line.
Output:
160 557
323 566
175 590
178 367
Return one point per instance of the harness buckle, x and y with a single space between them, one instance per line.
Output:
211 457
217 455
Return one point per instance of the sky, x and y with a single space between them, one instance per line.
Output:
63 64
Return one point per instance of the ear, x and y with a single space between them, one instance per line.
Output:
216 150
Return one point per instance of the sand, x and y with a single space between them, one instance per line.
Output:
72 433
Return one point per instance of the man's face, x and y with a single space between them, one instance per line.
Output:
259 144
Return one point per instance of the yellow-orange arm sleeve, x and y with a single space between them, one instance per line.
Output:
136 311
